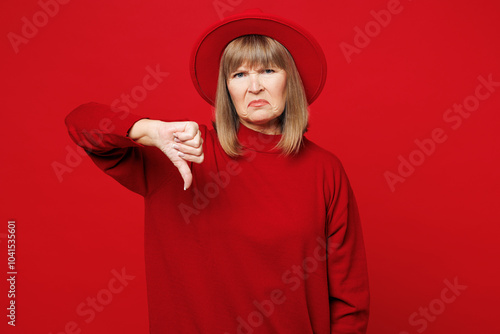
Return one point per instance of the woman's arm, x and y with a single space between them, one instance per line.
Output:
347 268
115 141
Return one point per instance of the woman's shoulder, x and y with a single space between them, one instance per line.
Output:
327 161
320 153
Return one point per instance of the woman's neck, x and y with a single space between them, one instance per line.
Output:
271 128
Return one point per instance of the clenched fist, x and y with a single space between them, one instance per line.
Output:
180 141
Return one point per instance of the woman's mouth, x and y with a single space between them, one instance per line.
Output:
258 103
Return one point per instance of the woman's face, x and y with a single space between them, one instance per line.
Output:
259 96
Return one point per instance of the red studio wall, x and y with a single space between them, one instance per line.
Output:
411 107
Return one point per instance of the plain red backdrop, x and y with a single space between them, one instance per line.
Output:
440 224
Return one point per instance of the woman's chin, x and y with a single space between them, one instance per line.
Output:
261 118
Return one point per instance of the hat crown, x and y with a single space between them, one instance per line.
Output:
253 11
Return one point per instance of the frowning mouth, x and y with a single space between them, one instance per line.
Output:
258 103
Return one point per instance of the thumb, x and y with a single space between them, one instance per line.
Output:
185 172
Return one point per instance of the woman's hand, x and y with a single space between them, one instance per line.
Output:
180 141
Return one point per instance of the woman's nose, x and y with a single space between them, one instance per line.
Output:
255 86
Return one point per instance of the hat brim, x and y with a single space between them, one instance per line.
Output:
306 52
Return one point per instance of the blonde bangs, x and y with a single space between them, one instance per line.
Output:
253 51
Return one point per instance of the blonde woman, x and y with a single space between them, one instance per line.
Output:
249 226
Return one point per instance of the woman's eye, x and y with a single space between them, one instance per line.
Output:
238 75
268 71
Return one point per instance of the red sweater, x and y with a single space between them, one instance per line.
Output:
259 244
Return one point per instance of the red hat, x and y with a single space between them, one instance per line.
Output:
306 52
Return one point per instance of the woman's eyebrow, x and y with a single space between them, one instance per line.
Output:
255 68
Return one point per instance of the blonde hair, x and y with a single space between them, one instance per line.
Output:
259 50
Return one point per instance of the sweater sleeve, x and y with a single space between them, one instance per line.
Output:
103 134
347 270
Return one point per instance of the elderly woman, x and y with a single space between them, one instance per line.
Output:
265 237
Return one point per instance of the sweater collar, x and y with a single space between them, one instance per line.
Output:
257 141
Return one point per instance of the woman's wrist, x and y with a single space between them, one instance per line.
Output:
144 131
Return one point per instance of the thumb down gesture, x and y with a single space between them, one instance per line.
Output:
181 142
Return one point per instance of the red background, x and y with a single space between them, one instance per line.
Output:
440 223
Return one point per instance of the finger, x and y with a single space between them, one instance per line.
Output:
185 172
188 149
191 130
193 158
195 142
